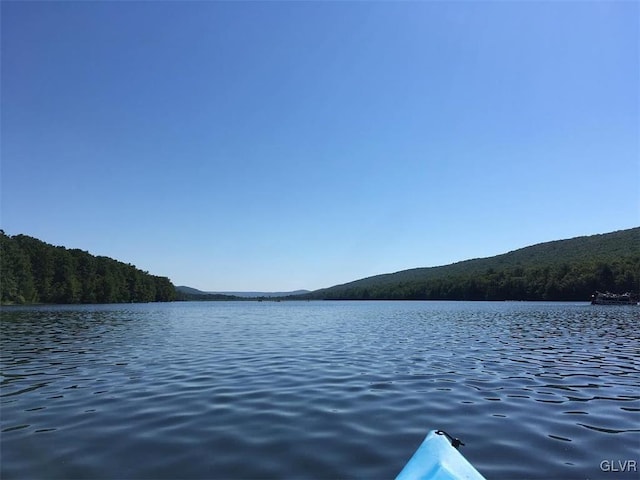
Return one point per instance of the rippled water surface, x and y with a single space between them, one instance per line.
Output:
316 389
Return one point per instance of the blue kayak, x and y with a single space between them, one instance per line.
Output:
438 458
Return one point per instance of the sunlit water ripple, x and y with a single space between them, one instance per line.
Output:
316 389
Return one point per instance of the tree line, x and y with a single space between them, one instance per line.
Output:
564 270
32 271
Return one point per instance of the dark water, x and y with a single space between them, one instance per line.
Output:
317 389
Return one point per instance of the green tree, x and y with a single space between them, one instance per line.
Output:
33 271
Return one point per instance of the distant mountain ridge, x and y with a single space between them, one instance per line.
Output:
568 270
264 294
195 291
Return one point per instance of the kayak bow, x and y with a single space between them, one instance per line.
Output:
437 458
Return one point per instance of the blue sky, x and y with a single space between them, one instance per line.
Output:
285 145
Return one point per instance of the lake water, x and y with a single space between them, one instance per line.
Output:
317 389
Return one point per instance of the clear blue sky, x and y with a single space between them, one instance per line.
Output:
285 145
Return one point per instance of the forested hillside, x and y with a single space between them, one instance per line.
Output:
32 271
562 270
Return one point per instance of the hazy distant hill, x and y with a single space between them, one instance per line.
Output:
264 294
236 295
189 290
560 270
189 293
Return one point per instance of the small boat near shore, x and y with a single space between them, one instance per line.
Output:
608 298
